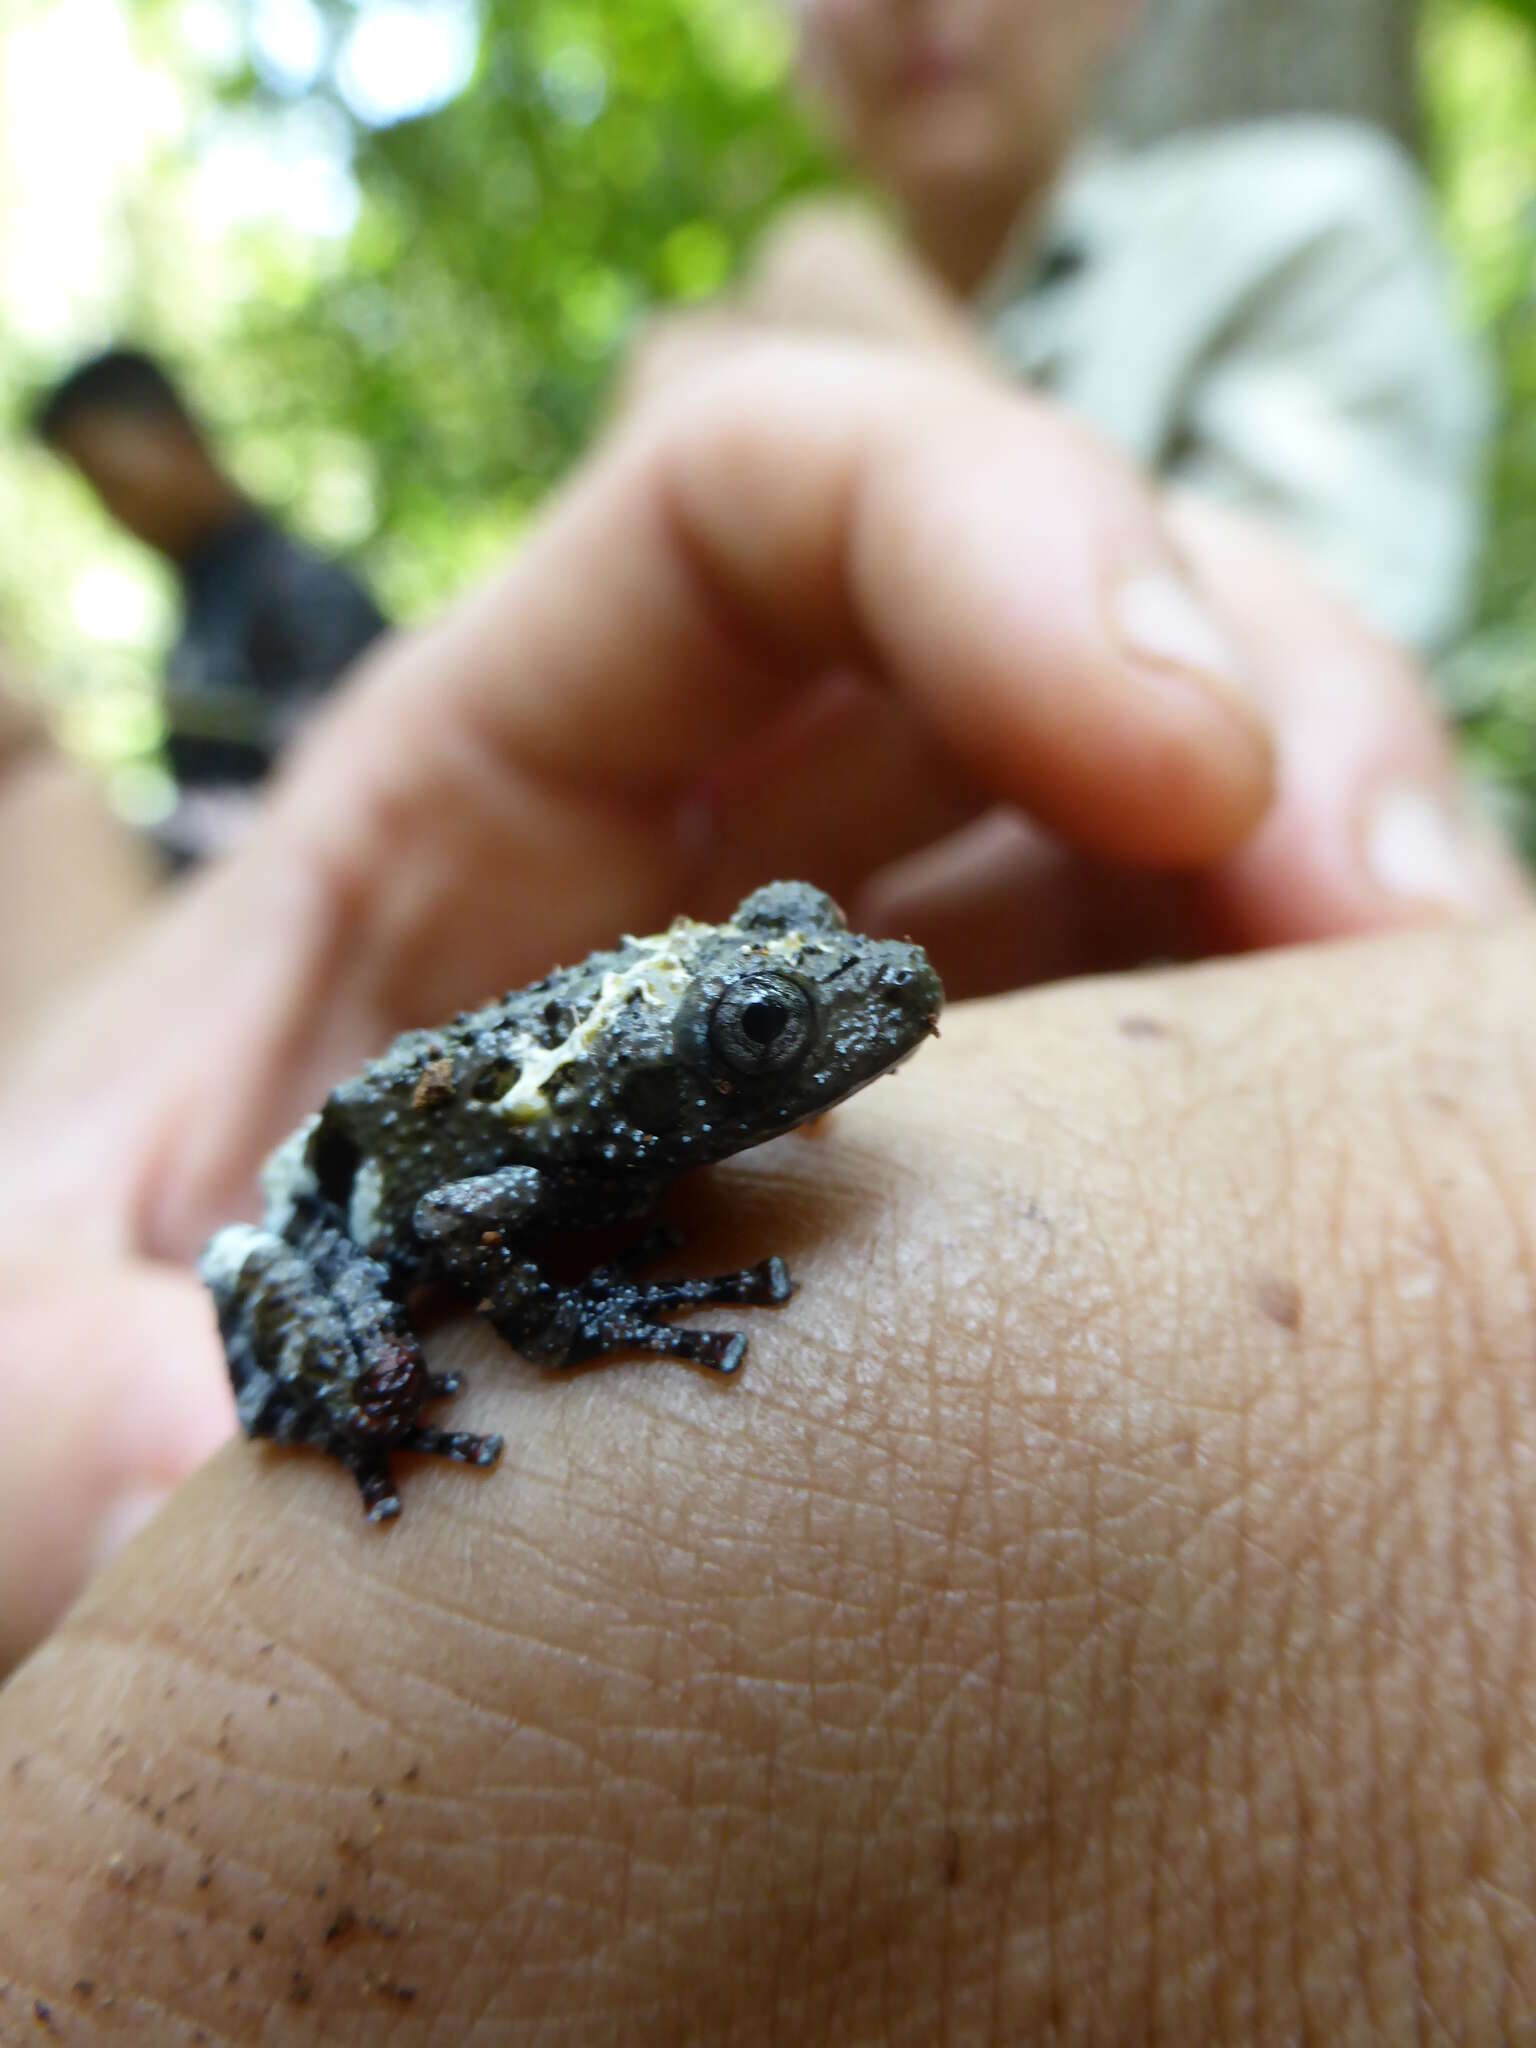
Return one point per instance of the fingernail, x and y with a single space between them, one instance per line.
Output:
1423 842
123 1519
1161 620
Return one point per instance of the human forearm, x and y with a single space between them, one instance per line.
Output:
1100 1599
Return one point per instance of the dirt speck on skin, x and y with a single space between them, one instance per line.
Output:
1280 1300
257 1932
341 1926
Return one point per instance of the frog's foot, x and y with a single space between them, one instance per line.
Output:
764 1285
320 1353
370 1468
611 1311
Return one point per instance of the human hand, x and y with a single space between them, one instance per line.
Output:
639 717
828 267
1100 1610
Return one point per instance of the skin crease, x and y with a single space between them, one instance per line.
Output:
1097 1614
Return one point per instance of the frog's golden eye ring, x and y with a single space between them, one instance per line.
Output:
763 1024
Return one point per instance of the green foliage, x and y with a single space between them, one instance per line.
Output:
603 160
1480 74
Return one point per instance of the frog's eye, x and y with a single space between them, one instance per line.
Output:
763 1024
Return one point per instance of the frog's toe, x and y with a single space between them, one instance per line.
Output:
381 1503
777 1285
461 1445
731 1354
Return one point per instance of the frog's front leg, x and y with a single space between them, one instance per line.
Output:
321 1353
472 1227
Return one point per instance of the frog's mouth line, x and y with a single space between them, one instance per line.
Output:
813 1116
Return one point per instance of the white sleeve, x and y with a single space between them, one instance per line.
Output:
1339 402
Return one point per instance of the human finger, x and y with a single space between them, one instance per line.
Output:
1001 905
1371 826
972 552
114 1391
678 346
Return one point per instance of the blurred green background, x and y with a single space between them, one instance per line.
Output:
395 247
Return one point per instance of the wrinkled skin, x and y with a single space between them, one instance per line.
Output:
1102 1612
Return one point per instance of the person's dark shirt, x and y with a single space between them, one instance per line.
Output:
267 626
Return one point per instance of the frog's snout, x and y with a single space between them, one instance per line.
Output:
918 991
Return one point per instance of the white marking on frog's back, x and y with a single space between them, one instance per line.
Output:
363 1208
659 977
224 1256
287 1177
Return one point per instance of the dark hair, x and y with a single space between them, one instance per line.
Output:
117 380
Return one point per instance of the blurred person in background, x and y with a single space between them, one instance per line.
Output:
1258 311
267 623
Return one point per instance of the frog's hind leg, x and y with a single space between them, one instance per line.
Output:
321 1353
613 1311
472 1227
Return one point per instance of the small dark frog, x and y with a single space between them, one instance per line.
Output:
568 1105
